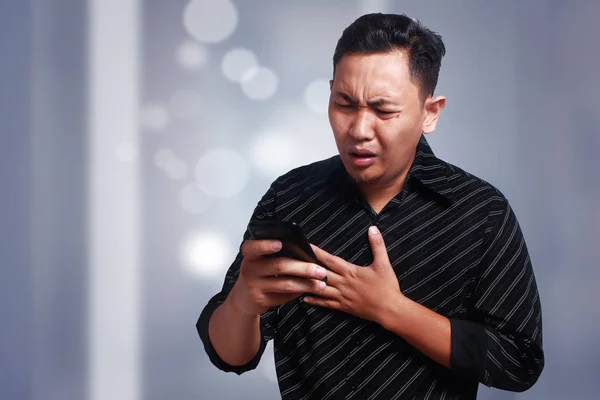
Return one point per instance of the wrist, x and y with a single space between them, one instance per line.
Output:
235 305
392 314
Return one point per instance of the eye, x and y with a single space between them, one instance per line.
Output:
383 112
344 105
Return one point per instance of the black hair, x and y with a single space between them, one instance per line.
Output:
382 33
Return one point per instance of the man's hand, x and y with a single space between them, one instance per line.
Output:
373 293
359 291
266 282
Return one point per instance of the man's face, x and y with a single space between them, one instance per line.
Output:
377 117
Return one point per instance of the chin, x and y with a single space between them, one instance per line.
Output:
358 175
363 178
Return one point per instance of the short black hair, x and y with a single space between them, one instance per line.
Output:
383 33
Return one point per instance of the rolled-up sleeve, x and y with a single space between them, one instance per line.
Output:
264 210
500 341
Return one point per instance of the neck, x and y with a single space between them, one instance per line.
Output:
379 194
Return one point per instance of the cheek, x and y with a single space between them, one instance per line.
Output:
393 139
337 123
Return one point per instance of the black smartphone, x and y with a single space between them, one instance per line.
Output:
294 242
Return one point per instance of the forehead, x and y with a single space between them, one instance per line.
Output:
374 74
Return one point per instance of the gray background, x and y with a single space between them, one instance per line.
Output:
522 85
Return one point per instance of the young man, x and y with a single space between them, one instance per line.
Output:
429 287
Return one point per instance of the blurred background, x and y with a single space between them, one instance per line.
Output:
137 137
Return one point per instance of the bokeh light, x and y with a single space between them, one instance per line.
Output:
316 96
162 158
126 152
237 63
260 83
186 104
154 116
273 153
191 55
210 21
222 172
174 167
207 253
311 132
194 200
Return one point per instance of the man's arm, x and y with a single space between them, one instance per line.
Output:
500 344
498 341
424 329
504 321
230 339
232 342
236 326
235 336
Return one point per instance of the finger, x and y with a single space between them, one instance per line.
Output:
277 299
380 255
291 285
288 266
334 263
254 249
328 292
322 302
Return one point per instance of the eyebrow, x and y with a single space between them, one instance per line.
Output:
376 102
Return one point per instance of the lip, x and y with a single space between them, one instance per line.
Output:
361 158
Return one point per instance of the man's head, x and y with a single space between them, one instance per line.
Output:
385 72
384 33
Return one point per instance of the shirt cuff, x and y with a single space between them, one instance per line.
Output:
202 328
469 347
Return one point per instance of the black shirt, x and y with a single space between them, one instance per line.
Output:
456 247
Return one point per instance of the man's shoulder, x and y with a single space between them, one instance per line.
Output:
309 175
465 186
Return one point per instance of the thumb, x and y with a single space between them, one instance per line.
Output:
380 255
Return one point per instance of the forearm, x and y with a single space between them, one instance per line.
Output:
235 336
502 361
424 329
508 361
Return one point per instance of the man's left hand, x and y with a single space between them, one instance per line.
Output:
361 291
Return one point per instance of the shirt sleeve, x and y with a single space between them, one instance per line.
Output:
264 210
500 344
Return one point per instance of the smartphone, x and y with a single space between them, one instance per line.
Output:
294 242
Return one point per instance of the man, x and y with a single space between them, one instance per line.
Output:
429 287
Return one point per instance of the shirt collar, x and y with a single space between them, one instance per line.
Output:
427 172
430 172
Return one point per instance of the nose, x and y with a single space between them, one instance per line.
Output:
362 128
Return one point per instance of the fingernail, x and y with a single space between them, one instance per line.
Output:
373 230
276 245
322 285
321 273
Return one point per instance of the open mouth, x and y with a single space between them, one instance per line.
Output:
361 153
362 158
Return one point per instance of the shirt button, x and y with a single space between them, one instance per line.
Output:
353 388
359 342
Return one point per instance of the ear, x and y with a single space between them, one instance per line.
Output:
433 107
330 85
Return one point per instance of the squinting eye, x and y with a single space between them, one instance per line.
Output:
384 112
344 105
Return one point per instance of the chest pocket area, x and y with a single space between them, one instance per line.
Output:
438 272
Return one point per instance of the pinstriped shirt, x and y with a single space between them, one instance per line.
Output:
456 247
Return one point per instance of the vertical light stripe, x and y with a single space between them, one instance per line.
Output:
114 315
374 6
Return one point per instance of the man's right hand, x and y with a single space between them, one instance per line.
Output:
266 282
